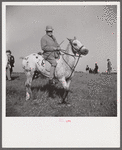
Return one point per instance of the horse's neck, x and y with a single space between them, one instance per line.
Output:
69 50
69 57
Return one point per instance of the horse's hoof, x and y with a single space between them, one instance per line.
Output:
65 103
68 104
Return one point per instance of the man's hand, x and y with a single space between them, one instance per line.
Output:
54 48
57 48
40 53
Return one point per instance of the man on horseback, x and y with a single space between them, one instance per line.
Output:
50 49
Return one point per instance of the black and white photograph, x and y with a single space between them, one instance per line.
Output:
61 69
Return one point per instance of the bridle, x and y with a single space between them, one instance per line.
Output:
75 51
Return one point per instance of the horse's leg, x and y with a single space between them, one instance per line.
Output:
67 90
65 85
65 96
29 75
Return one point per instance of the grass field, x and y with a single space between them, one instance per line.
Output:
90 95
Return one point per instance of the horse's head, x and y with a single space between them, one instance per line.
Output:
77 47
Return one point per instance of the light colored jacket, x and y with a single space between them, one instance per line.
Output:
47 44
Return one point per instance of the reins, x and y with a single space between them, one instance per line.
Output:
74 51
63 51
73 68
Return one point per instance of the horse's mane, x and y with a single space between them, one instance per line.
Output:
67 49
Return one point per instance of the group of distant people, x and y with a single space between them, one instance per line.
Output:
10 64
95 70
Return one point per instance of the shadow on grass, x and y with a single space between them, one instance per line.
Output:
52 91
14 77
11 111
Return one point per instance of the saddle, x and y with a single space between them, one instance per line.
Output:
43 66
45 62
46 65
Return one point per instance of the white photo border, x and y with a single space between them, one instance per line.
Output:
47 132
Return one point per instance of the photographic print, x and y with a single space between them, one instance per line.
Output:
61 62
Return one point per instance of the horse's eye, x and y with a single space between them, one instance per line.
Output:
75 44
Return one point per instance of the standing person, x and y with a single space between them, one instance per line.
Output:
96 68
11 61
8 76
109 68
49 46
90 70
87 68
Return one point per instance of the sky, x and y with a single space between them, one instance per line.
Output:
95 26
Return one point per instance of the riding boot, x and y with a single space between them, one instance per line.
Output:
52 70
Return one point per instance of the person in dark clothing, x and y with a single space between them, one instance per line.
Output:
11 61
109 66
87 68
96 68
90 70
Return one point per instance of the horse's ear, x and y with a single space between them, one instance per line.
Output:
69 39
75 38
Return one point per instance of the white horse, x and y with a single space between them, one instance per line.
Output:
64 70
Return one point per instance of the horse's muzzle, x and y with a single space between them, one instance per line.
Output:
84 51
